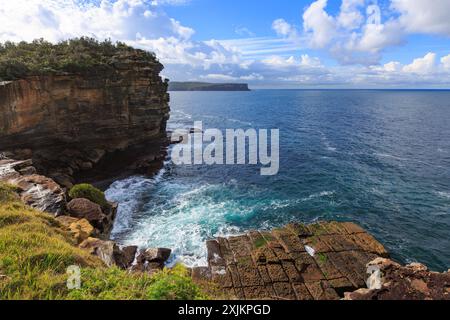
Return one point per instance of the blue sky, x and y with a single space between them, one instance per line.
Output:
269 44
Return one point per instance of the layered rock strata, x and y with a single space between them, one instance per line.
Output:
80 126
298 262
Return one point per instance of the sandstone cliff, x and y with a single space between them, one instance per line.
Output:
75 126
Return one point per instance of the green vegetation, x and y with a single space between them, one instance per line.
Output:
7 193
18 60
35 252
89 192
322 258
260 242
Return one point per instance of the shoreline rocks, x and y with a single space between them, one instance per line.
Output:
37 191
396 282
322 261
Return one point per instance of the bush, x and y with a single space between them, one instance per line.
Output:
89 192
19 60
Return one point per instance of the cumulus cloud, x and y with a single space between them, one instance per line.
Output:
360 32
424 16
318 24
356 36
283 28
61 19
425 65
445 61
350 16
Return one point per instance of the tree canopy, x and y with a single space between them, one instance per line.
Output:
40 57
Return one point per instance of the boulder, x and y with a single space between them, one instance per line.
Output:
151 259
86 209
80 229
100 248
125 256
411 282
159 255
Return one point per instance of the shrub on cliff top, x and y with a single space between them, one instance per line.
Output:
89 192
19 60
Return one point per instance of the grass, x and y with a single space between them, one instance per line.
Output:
35 252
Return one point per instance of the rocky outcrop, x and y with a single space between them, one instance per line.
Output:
391 281
77 126
80 229
101 218
152 259
305 262
39 192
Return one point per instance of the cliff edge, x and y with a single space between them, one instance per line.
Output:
75 125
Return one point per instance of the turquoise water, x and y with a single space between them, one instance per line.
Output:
379 158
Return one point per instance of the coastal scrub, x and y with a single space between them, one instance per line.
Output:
35 252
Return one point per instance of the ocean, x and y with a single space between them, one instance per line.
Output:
378 158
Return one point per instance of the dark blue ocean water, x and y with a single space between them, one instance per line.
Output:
379 158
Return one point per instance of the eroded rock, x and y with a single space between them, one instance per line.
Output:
96 118
411 282
152 259
39 192
80 229
298 262
100 248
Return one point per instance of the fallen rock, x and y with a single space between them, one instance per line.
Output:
151 259
411 282
124 257
100 248
80 229
86 209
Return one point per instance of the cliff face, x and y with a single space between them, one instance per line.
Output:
70 124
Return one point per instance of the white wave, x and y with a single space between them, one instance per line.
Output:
443 194
181 114
327 143
386 155
319 195
240 121
184 220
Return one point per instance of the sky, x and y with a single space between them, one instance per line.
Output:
266 43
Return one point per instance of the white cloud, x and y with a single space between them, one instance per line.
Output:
219 77
357 34
318 24
350 16
244 31
446 62
425 65
283 28
312 62
424 16
61 19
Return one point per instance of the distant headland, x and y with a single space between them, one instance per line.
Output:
205 86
